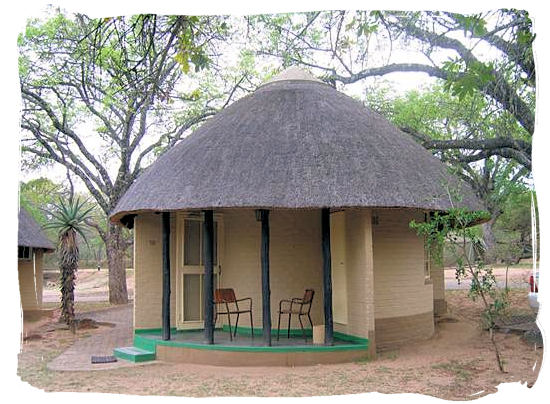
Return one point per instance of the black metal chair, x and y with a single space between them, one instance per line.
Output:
298 306
227 297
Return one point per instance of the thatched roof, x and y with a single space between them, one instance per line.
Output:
30 233
294 143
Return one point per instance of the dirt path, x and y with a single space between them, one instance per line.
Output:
116 332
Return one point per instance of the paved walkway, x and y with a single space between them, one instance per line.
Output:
78 356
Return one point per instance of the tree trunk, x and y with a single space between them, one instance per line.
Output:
489 240
115 246
68 264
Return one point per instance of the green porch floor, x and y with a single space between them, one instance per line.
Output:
147 340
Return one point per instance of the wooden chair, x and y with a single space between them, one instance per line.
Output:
227 298
298 306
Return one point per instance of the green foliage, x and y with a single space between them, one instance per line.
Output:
69 215
38 197
466 79
513 228
190 49
455 226
440 115
472 24
454 229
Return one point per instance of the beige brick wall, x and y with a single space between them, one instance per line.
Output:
148 271
392 332
31 296
295 260
359 274
400 287
437 275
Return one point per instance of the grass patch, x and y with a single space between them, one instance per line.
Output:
383 369
461 371
392 355
364 360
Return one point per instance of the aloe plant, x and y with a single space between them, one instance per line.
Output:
69 219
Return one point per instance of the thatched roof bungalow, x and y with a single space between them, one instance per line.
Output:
295 186
32 244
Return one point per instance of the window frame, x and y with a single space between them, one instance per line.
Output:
22 257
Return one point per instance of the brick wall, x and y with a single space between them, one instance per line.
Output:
148 271
437 275
359 268
401 290
295 260
31 296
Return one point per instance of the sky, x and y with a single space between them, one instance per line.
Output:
13 22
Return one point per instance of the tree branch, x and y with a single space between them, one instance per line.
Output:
42 104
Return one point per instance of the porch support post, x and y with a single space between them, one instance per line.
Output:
266 291
208 248
165 276
327 275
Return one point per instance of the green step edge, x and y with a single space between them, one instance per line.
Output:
141 356
355 343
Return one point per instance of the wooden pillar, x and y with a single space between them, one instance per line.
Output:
266 291
327 275
165 276
208 248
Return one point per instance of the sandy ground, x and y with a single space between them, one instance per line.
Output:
518 277
91 285
457 363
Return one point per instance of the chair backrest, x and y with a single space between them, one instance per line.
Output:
308 296
224 295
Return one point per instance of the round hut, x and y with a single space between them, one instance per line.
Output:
293 187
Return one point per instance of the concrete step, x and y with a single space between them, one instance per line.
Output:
134 354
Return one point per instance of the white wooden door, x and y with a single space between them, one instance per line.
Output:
190 270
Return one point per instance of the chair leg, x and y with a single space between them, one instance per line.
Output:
288 330
236 324
230 332
302 326
251 324
278 326
310 322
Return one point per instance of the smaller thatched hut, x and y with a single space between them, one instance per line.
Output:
32 244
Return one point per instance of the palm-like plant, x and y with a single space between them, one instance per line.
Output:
68 218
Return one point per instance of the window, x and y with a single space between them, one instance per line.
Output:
193 253
24 253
